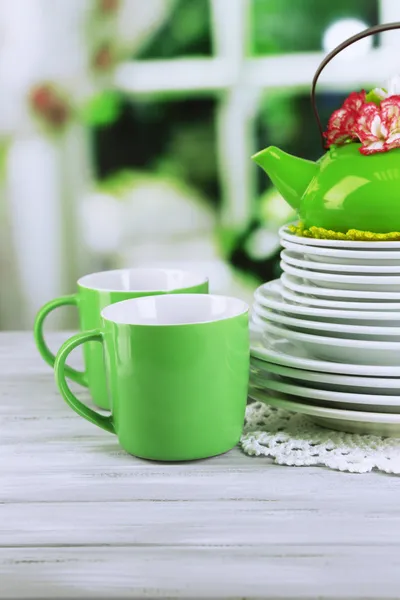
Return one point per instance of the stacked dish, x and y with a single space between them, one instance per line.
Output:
325 338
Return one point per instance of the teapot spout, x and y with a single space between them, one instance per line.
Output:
289 174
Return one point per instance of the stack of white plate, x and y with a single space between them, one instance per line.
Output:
325 338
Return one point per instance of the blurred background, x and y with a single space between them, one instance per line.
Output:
127 126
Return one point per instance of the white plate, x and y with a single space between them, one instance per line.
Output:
285 234
279 350
354 421
292 259
344 331
296 297
370 283
328 381
361 352
338 256
301 285
270 296
348 400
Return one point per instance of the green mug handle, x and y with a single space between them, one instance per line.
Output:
60 372
45 352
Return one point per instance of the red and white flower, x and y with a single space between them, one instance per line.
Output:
378 127
342 124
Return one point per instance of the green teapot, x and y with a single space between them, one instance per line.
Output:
345 189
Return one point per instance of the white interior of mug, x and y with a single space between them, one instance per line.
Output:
142 280
181 309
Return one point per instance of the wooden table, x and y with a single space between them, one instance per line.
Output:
79 518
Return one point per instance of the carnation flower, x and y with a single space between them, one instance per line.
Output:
378 127
341 126
372 119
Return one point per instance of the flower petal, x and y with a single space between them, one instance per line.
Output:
373 147
368 123
355 101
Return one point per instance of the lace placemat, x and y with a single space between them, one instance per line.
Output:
294 440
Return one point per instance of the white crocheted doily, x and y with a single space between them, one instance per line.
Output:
292 439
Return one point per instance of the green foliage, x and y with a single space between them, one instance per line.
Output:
102 109
273 209
278 111
297 25
227 239
118 184
187 31
372 96
191 152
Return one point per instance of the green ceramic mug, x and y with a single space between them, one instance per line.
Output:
95 292
178 369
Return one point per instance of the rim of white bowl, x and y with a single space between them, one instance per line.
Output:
325 292
268 349
323 326
313 301
341 253
323 340
321 377
261 297
322 411
338 278
316 266
329 395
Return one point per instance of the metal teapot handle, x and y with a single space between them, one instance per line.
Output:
333 53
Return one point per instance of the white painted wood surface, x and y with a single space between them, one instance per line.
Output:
79 518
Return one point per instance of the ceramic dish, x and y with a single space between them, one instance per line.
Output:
277 349
307 287
361 352
327 381
344 257
353 421
292 259
347 400
270 296
285 234
295 296
338 330
336 281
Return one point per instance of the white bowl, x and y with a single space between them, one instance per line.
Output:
354 421
347 400
341 383
304 286
335 281
362 352
344 257
292 259
271 296
345 331
294 291
285 234
279 350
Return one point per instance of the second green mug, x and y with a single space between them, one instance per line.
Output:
95 292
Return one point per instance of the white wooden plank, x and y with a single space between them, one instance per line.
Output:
278 572
44 480
233 522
